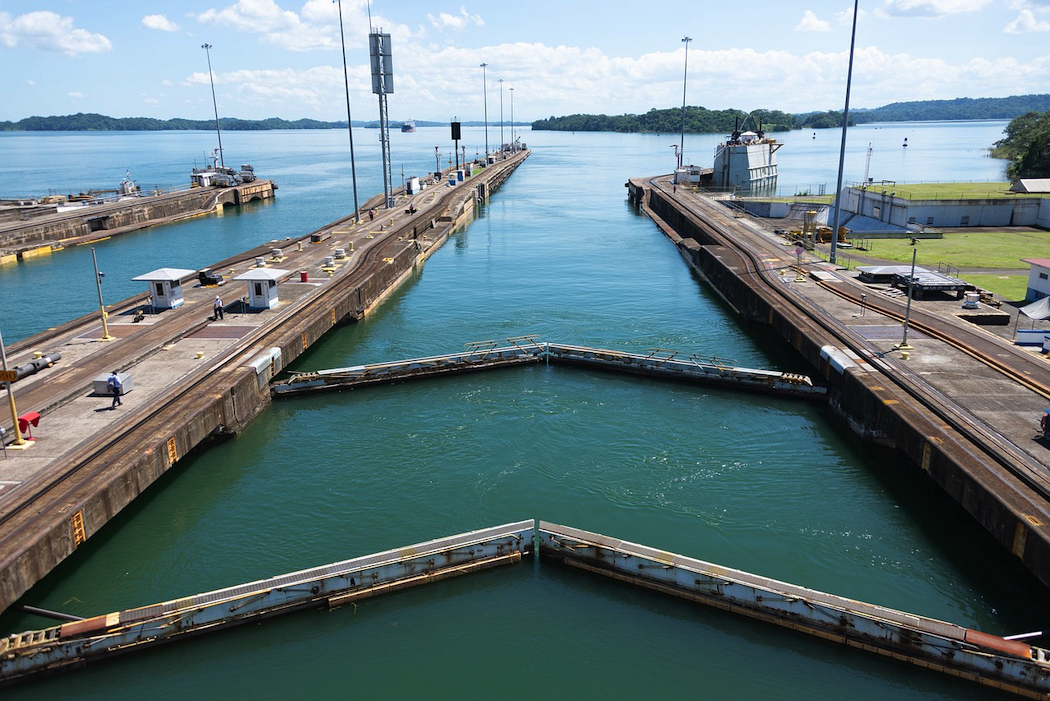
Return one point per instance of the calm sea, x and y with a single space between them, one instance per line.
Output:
764 484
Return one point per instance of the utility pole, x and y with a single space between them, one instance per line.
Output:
485 92
685 76
349 119
842 149
501 141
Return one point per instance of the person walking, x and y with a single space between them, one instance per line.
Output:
218 308
116 387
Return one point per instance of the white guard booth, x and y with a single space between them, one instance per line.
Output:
165 288
262 286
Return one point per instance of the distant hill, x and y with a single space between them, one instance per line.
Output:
100 122
958 109
699 120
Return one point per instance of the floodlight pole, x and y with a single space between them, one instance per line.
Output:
349 119
485 92
513 139
842 148
214 104
501 142
685 76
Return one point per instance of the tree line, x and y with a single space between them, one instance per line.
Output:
699 120
1026 145
99 122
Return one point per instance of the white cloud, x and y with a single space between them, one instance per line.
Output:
444 20
316 27
30 82
151 101
1026 23
811 23
930 8
282 28
48 31
288 91
159 22
76 95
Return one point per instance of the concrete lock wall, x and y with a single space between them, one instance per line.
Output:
871 411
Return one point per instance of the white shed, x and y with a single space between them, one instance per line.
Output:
165 286
1038 278
262 286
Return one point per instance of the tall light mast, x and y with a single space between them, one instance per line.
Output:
485 92
685 76
349 119
211 79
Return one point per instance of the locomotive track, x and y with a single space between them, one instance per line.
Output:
79 471
988 446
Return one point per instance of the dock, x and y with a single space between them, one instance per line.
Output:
1005 664
486 355
41 230
957 402
195 377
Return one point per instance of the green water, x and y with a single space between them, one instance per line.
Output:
774 486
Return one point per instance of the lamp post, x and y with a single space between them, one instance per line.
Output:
903 346
685 76
513 140
349 120
214 104
485 92
101 306
501 142
842 150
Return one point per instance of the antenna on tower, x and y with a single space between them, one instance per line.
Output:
382 85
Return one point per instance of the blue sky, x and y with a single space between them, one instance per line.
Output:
282 57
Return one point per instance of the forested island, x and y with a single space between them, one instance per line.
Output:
699 120
100 122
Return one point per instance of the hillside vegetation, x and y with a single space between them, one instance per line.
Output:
699 120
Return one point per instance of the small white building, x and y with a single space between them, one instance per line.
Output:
1038 278
262 286
165 286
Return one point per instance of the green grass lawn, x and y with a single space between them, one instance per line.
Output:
984 249
1010 288
926 191
948 191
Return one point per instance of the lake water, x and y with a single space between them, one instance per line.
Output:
763 484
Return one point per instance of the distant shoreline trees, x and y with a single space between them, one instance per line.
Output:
100 122
1027 146
699 120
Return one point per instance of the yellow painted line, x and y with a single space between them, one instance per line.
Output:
890 401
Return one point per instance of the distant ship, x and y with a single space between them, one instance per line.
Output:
408 126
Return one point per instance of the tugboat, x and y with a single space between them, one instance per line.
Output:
408 126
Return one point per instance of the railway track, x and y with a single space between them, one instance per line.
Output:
992 445
947 333
89 462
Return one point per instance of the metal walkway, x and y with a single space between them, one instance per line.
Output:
1003 663
488 355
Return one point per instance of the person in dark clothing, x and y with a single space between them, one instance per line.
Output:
116 387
